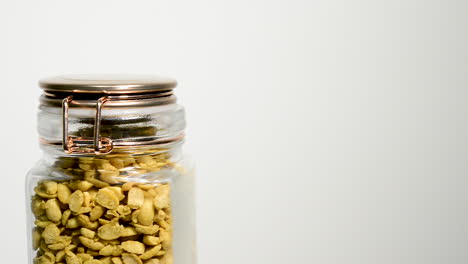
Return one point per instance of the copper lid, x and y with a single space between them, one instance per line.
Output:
107 84
121 90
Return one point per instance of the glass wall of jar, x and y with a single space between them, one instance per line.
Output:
113 185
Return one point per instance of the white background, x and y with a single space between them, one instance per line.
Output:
324 131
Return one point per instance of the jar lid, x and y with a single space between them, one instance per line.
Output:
107 84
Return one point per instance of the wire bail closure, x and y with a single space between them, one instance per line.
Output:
73 145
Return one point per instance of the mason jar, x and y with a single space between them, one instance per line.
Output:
113 185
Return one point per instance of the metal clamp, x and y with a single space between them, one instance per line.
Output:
72 145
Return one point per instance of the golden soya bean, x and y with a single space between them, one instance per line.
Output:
37 206
163 224
166 238
60 256
72 223
70 248
47 258
76 200
133 247
63 193
128 231
117 163
72 258
40 191
124 210
131 259
60 243
90 243
166 259
106 260
136 197
53 211
152 261
111 250
162 200
50 187
84 210
84 256
36 238
107 198
161 215
97 183
81 185
146 215
50 234
96 213
93 253
151 252
151 240
117 191
109 176
117 260
85 222
87 233
107 166
135 215
65 216
110 231
127 186
146 161
87 199
147 230
80 250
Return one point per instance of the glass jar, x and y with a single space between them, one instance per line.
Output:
113 185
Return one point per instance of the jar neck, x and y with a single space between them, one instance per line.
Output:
129 130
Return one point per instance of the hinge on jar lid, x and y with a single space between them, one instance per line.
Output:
72 145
